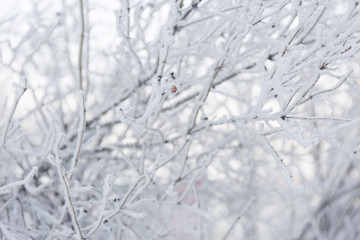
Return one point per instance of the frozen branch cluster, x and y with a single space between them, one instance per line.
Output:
180 119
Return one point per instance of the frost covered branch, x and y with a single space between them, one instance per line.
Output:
176 115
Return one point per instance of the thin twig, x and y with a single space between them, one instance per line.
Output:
104 205
6 188
10 116
81 43
292 39
228 232
66 187
80 136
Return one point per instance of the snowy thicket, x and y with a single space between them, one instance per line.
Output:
180 119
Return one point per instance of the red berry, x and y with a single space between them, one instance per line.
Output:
173 89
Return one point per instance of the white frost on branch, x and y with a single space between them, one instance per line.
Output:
8 187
